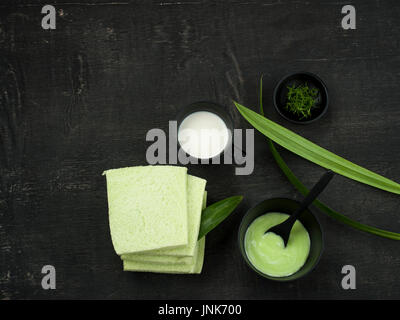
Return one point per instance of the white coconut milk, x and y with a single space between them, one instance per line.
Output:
203 134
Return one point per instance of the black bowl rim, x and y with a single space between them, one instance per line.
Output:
318 79
226 117
280 279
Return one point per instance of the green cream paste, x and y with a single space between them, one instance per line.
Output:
266 251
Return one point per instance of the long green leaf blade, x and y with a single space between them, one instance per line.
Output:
214 214
320 205
324 208
314 153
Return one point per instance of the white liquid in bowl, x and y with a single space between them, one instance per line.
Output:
203 134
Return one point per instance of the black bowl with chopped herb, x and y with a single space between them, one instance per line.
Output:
301 97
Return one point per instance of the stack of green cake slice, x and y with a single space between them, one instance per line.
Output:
154 214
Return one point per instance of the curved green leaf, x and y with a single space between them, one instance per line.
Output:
320 205
324 208
214 214
314 153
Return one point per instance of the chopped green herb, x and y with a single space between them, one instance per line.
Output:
301 99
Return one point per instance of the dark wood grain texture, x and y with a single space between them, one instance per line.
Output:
79 99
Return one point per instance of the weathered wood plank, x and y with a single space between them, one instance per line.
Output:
79 99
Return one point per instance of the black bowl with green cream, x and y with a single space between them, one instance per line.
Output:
307 219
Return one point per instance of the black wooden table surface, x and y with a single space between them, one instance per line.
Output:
80 99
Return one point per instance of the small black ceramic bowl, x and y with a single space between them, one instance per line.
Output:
308 220
296 79
210 107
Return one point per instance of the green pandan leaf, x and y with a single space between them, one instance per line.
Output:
324 208
314 153
214 214
320 205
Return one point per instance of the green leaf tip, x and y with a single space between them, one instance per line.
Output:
214 214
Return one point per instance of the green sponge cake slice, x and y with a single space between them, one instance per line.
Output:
169 259
196 202
147 207
194 268
196 190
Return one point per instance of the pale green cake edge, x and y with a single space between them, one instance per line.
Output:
196 268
